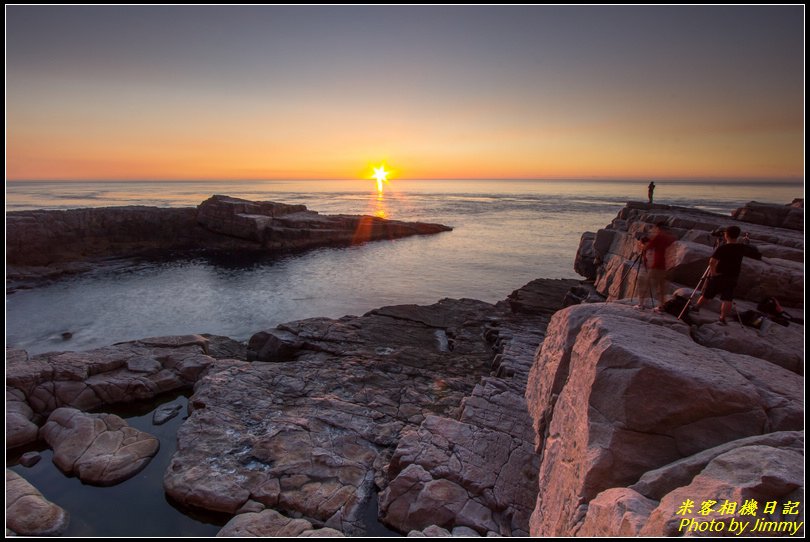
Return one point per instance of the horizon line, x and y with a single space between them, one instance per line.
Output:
790 180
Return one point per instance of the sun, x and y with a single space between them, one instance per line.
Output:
381 176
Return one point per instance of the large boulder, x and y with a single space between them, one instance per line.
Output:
789 216
653 396
28 513
754 468
755 473
100 449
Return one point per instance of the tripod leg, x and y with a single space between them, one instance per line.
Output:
700 285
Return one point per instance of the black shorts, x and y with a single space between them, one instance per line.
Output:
720 284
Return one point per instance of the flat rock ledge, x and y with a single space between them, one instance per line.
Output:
339 409
121 373
44 243
632 418
100 449
28 513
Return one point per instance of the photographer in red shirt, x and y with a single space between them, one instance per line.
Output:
659 244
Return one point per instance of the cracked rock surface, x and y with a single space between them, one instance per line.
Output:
100 449
342 408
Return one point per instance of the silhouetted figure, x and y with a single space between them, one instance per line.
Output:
650 190
724 270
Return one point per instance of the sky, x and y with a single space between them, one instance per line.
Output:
269 92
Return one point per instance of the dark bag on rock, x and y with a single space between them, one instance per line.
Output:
770 307
675 306
753 319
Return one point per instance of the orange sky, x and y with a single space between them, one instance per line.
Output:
483 95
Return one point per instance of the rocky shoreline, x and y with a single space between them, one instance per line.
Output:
45 244
461 417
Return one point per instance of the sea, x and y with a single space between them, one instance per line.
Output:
505 234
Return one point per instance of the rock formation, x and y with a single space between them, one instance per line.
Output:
352 404
789 216
28 513
120 373
608 256
100 449
40 243
615 395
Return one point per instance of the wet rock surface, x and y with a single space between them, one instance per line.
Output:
28 513
100 449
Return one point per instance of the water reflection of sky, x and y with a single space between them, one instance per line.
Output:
500 241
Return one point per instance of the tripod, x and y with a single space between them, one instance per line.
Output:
700 285
638 261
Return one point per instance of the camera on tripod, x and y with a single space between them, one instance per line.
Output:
642 237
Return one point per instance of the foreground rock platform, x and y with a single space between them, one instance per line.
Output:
341 407
44 243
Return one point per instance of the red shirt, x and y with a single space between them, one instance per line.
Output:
660 243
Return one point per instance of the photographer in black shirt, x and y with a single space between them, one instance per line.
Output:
724 270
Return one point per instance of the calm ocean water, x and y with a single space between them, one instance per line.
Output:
506 234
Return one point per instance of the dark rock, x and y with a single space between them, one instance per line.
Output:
586 262
273 345
40 243
541 296
165 413
29 459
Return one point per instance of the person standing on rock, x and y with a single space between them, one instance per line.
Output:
656 279
650 190
724 271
